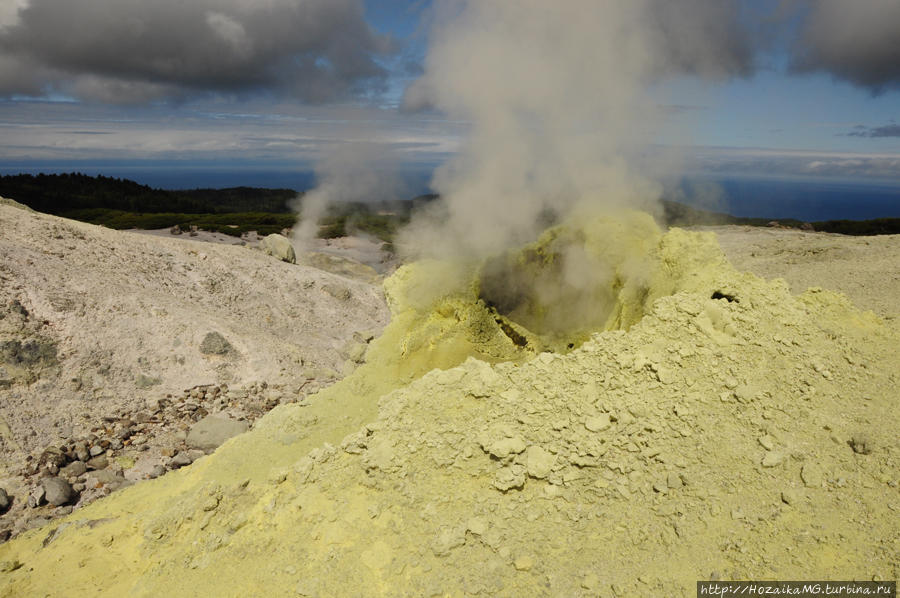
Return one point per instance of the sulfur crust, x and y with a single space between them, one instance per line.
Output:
390 482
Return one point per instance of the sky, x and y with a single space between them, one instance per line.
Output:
799 88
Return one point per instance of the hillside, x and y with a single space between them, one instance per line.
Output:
97 327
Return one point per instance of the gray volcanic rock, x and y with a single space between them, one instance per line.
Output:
215 344
211 431
57 491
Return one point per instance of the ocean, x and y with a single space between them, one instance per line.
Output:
806 200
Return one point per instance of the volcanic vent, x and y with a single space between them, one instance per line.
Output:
585 276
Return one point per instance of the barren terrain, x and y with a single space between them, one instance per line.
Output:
720 426
99 325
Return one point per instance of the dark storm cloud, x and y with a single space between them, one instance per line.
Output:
883 131
137 50
709 38
854 40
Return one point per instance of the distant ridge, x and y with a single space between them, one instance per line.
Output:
679 214
61 193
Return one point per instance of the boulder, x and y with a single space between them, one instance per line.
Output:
211 431
214 344
57 491
280 247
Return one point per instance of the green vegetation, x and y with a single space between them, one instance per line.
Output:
381 220
677 214
235 223
877 226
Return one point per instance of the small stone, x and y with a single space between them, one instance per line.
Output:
477 526
812 475
279 247
772 459
665 375
58 492
157 471
523 563
96 450
215 344
539 462
195 454
767 442
105 478
626 418
447 540
861 444
100 462
673 481
167 452
598 423
789 496
36 497
81 452
180 460
74 469
503 448
509 478
745 393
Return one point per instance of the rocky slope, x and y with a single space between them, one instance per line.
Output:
112 345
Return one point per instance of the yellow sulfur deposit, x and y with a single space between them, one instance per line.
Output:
705 428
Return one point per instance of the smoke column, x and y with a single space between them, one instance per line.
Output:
557 97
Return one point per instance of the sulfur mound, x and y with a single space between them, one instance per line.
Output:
589 275
706 431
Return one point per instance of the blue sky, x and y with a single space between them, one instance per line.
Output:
278 90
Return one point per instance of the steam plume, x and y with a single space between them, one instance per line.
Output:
556 93
359 171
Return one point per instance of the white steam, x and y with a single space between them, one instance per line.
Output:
358 171
556 94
